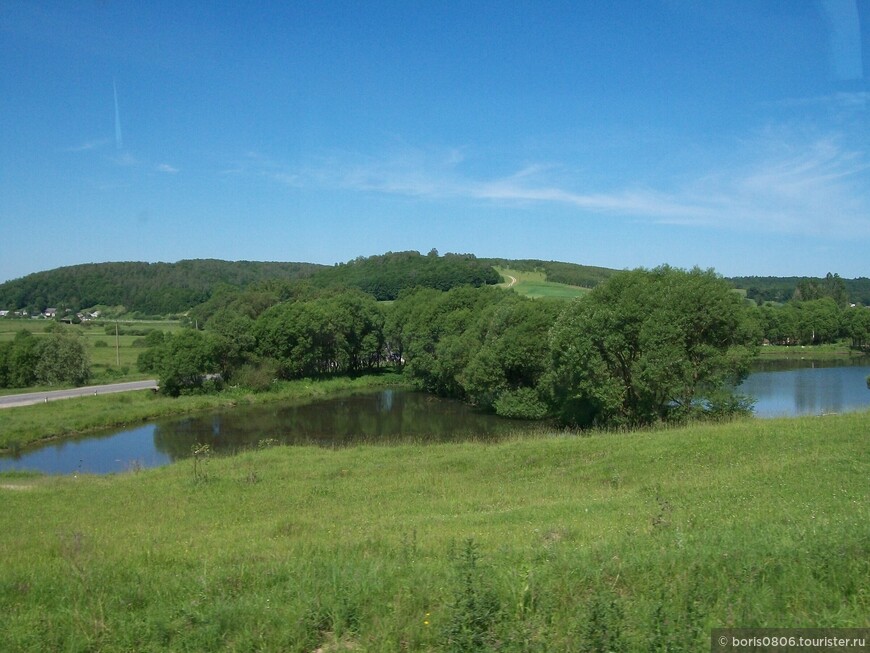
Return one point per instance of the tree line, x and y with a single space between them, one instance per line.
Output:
785 289
642 347
815 322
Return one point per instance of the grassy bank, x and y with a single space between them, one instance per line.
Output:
26 425
633 542
832 351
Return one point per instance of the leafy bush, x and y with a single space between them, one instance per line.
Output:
257 376
522 403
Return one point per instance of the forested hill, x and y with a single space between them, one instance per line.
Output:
385 276
152 289
144 288
167 288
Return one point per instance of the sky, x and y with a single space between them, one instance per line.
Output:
728 135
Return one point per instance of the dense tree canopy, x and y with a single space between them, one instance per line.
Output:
146 288
648 346
784 289
643 346
384 277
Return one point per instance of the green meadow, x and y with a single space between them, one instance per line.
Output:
639 541
535 285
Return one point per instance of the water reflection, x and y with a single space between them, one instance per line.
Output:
113 452
813 389
386 416
390 415
396 416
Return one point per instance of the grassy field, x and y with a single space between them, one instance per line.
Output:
111 360
534 285
628 542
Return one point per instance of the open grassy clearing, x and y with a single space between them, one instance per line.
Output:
535 285
628 542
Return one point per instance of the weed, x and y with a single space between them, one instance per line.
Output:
474 610
603 630
200 454
72 550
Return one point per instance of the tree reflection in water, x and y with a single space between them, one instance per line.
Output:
388 416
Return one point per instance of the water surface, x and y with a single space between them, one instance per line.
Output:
799 387
781 388
388 416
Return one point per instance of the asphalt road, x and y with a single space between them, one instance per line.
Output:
28 398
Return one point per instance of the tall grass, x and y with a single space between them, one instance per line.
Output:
635 542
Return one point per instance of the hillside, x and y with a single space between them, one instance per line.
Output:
549 543
570 274
145 288
385 276
154 289
166 288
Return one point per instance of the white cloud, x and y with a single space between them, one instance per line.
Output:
779 181
88 145
165 167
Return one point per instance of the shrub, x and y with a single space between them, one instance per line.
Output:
522 403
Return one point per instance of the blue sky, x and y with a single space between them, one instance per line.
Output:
732 135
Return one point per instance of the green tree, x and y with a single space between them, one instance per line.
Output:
818 321
858 327
235 334
780 323
511 356
336 332
5 352
63 359
650 345
186 360
438 334
22 358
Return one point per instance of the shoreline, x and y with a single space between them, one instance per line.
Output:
26 426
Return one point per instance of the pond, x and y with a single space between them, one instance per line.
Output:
388 416
799 387
781 388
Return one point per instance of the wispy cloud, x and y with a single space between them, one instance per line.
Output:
124 159
165 167
778 182
88 145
